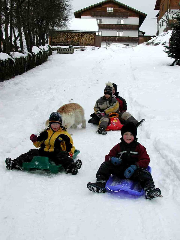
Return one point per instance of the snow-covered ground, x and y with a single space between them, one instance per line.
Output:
53 207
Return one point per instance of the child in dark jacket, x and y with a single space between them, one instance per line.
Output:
127 159
55 143
124 116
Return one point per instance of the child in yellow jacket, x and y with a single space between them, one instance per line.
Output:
55 143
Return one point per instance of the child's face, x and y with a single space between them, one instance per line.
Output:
113 90
128 137
55 126
107 96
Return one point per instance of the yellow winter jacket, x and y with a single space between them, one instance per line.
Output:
50 141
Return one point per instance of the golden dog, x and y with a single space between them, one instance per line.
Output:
72 115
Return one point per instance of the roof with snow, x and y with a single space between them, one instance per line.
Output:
82 25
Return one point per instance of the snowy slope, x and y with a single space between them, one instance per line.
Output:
53 207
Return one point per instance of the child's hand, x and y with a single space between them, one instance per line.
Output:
33 137
130 171
116 161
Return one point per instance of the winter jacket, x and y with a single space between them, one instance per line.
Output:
50 141
131 154
106 105
122 103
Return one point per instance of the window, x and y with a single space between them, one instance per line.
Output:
99 33
109 9
120 21
99 21
119 33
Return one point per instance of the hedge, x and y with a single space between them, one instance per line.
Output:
13 66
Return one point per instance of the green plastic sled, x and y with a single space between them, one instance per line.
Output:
43 163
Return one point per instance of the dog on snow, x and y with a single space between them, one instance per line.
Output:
72 115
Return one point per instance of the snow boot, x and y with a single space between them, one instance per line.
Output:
10 164
73 168
140 122
98 187
78 164
102 131
151 193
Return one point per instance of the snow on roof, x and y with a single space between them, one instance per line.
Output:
82 25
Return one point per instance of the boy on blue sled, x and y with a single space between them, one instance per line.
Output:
128 159
55 143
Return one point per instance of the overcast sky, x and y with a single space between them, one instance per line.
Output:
145 6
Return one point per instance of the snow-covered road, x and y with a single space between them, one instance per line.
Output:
44 207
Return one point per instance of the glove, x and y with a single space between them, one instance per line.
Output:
130 171
33 137
100 114
116 161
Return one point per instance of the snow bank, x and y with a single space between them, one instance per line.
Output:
162 39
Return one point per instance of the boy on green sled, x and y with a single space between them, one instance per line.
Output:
128 159
55 143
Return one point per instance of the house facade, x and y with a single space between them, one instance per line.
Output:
167 10
117 22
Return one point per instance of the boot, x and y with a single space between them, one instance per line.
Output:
11 164
151 193
98 187
136 123
101 130
73 168
140 122
132 119
78 164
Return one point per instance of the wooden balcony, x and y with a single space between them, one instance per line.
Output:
110 14
120 39
118 27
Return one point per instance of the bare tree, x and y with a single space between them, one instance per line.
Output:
31 19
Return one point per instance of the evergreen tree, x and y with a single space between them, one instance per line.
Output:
173 50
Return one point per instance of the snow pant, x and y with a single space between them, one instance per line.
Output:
61 157
127 117
94 119
101 121
140 175
104 122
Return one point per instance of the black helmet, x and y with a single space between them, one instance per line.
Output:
55 117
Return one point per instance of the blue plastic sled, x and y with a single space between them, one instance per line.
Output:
117 185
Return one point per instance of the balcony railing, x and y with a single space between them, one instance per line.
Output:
109 14
118 26
119 39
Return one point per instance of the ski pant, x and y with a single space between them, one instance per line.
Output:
104 122
127 117
94 119
58 158
101 121
140 175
